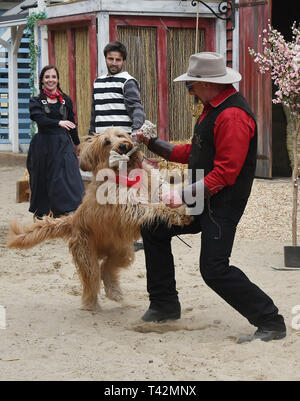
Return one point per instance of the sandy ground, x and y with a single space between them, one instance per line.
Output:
47 336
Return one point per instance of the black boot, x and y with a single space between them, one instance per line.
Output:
138 245
264 335
155 315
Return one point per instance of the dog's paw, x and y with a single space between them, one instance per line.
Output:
93 307
178 217
186 220
114 293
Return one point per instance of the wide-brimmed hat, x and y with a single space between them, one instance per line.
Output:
209 67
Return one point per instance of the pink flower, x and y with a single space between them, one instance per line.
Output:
282 60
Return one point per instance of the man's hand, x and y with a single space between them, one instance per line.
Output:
172 199
140 138
68 125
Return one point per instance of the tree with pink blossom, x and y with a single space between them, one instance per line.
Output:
281 59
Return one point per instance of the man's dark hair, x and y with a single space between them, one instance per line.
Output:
115 47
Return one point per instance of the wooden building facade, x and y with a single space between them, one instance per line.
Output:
159 35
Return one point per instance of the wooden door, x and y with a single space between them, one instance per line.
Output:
158 52
256 87
73 49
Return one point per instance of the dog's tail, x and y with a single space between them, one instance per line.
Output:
27 236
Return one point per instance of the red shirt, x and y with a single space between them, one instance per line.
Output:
233 131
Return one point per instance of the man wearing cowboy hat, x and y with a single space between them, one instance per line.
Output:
224 146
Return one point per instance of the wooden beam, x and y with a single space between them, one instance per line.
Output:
19 34
13 91
103 39
10 23
221 33
51 51
44 56
4 43
68 20
162 68
235 46
93 50
141 7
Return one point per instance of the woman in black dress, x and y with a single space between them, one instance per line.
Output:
55 181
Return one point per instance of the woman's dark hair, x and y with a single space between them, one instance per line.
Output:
46 68
115 47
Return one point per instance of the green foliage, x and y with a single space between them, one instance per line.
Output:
34 51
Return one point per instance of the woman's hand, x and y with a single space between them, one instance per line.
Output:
68 125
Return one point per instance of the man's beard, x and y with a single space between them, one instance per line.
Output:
114 71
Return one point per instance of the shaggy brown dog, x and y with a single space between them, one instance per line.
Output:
101 236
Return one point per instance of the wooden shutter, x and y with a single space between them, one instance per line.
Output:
62 58
72 43
181 44
256 87
141 43
162 46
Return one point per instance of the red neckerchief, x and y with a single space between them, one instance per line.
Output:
130 182
126 182
54 95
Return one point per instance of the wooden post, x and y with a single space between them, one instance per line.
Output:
16 36
296 129
162 68
44 58
93 50
103 39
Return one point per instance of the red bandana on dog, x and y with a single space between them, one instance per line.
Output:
130 182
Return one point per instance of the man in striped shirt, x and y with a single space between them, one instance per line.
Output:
116 98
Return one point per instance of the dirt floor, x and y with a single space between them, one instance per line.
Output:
48 337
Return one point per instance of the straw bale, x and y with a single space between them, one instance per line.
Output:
141 44
163 164
83 87
61 58
181 44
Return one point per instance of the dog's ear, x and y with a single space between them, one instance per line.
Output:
85 164
88 138
85 160
90 154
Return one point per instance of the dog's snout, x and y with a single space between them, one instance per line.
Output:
123 147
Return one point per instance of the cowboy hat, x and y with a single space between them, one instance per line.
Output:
209 67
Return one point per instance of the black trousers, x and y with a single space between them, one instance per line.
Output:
218 227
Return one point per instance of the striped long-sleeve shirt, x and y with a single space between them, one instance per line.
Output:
116 102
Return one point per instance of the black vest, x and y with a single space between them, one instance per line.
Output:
203 153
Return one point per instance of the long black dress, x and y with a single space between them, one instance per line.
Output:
55 181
